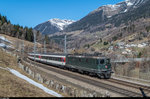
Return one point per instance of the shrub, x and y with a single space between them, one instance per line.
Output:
105 43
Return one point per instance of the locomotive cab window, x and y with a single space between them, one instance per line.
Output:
79 59
107 60
97 62
87 60
102 61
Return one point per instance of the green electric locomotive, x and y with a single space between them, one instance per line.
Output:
95 65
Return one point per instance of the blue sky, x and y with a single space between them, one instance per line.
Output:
32 12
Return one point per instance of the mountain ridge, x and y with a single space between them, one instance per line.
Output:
53 25
103 14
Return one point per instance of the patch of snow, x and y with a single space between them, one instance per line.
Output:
125 10
129 3
141 45
60 23
109 16
4 45
128 50
113 7
4 39
121 47
128 45
111 48
3 68
124 52
138 2
133 45
136 45
120 43
51 92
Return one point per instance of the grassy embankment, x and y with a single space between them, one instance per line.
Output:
12 86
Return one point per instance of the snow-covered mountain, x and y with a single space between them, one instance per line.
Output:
61 24
122 7
53 25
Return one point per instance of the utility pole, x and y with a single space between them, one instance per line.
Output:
41 50
65 50
34 32
28 48
23 48
20 47
44 46
5 44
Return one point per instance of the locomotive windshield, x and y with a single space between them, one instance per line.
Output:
102 61
107 61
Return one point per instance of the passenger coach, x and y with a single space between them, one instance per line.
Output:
52 59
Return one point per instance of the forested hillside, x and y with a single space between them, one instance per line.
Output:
16 30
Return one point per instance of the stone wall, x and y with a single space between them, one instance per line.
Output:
66 90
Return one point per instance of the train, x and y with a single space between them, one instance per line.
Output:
88 64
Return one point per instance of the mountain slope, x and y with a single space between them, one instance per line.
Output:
127 21
53 25
106 14
142 11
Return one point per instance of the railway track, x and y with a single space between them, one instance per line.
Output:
109 87
96 83
130 84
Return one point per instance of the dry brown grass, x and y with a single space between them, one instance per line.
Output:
28 46
12 86
16 40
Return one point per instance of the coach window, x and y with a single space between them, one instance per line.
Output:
102 61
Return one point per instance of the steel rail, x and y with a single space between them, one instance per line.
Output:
109 87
